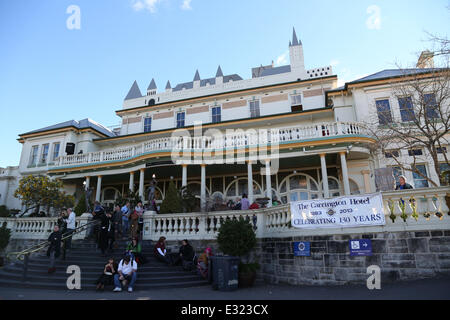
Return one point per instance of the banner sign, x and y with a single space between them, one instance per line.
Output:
302 249
362 247
341 212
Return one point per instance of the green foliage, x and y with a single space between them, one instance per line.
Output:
132 197
172 202
236 237
249 267
41 191
5 234
188 200
81 206
4 212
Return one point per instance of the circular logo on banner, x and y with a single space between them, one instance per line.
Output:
331 212
301 246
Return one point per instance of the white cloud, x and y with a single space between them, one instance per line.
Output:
374 21
186 5
282 59
149 5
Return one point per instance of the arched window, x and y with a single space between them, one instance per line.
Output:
298 187
239 186
151 102
109 196
354 188
334 187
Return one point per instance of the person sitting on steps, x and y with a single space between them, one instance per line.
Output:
107 277
134 249
160 251
126 274
186 256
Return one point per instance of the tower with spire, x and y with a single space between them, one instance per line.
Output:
296 54
151 90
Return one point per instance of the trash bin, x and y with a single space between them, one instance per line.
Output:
224 273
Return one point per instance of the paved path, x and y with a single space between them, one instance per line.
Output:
433 289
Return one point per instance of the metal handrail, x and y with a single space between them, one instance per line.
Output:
42 245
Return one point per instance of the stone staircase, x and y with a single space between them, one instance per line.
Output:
152 275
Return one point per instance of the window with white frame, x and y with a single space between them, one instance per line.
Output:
445 172
419 180
180 119
56 147
296 99
147 124
216 114
384 111
254 109
44 155
406 109
34 155
397 172
431 108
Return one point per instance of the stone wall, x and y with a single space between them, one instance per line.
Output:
400 255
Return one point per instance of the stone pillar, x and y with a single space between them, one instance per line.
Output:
268 184
323 163
141 184
131 185
184 176
250 181
99 189
345 173
88 182
367 187
203 188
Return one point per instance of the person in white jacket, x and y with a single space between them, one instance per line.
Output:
127 271
70 227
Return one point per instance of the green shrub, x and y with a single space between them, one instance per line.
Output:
4 212
5 234
172 201
81 206
236 237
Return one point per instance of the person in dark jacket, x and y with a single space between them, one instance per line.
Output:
54 248
107 277
402 185
106 227
186 255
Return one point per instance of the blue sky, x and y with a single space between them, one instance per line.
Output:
50 74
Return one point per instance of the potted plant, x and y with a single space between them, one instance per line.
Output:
237 238
5 234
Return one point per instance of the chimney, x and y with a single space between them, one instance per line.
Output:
426 60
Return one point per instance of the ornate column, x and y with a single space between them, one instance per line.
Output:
88 181
345 173
141 184
268 184
323 163
250 181
184 175
203 187
99 189
131 185
366 174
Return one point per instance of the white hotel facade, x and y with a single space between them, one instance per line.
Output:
311 141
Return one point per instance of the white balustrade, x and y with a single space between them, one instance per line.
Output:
238 139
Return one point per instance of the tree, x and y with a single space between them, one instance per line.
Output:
40 191
172 202
423 127
81 206
188 199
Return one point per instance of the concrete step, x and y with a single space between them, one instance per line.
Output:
62 286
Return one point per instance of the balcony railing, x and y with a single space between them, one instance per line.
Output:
235 140
406 210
